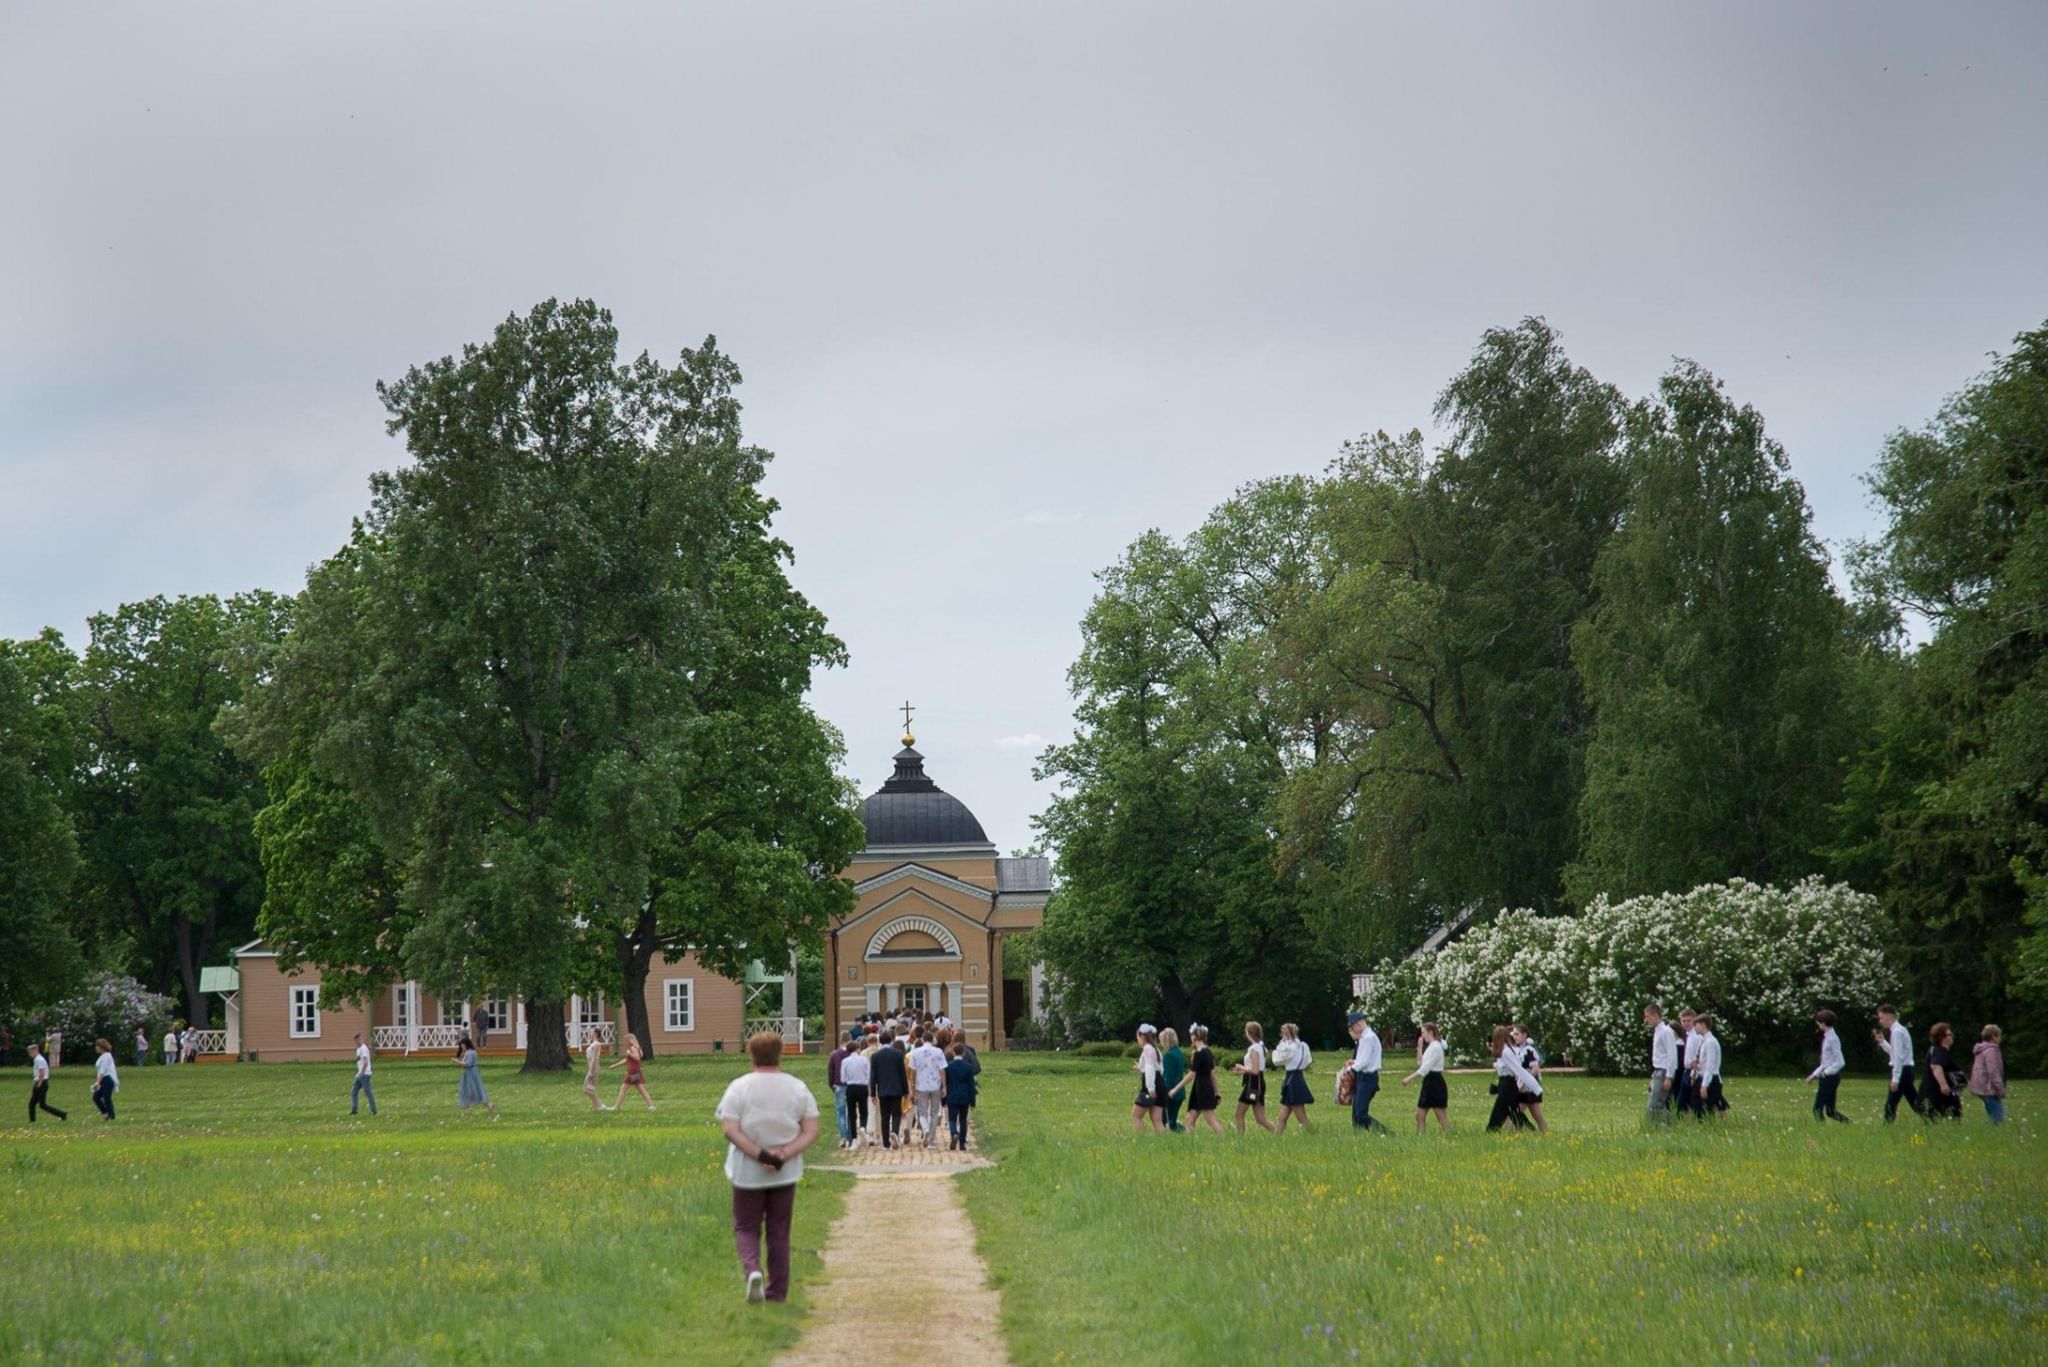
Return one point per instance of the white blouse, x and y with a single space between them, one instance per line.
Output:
1432 1058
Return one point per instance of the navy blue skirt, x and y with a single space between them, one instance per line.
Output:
1294 1091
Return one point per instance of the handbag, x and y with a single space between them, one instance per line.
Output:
1347 1084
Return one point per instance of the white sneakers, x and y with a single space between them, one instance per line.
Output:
756 1290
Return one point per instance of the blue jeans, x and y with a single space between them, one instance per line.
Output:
103 1096
1364 1087
1994 1107
361 1089
839 1110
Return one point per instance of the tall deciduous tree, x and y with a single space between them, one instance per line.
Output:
38 852
557 672
165 806
1170 900
1715 661
1967 551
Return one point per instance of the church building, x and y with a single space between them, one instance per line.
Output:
937 904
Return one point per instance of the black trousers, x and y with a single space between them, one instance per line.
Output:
857 1107
1824 1098
1903 1092
1507 1101
1707 1100
39 1095
956 1124
889 1109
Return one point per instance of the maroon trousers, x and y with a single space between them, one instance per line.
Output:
753 1207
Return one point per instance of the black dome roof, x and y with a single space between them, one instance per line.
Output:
910 809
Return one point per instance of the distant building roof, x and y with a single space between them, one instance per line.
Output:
910 809
1032 874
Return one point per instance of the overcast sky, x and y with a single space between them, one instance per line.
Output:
1009 283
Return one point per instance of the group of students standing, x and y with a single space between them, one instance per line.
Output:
885 1072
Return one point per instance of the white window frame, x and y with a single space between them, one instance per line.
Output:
500 1009
447 1012
919 989
668 1005
308 995
402 1005
590 1011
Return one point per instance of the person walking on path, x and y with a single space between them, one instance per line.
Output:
769 1119
1897 1043
1173 1066
170 1044
1987 1073
855 1072
1200 1082
361 1089
1294 1059
141 1047
1944 1080
1663 1065
1252 1095
960 1094
1435 1097
928 1076
593 1064
1827 1074
891 1085
1145 1110
836 1080
471 1093
107 1079
1365 1073
39 1085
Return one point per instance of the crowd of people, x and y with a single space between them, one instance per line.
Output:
894 1078
1685 1075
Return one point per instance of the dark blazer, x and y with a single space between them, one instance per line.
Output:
960 1082
891 1078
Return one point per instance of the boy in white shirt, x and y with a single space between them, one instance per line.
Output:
39 1085
1663 1065
1828 1075
1707 1096
1897 1043
362 1083
927 1079
106 1079
1688 1062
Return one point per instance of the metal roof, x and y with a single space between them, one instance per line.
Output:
910 809
1024 875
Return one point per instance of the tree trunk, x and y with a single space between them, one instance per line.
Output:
636 957
547 1037
188 974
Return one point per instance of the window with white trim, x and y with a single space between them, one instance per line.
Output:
680 999
501 1012
306 1012
401 1005
913 998
590 1011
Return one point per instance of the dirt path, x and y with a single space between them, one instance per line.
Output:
935 1307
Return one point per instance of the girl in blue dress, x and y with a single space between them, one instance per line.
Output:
471 1092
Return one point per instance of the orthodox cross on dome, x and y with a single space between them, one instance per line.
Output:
908 738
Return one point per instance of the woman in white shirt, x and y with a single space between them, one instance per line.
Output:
1293 1057
769 1119
1145 1112
1436 1095
1511 1083
1252 1096
107 1080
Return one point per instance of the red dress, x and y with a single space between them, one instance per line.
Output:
633 1078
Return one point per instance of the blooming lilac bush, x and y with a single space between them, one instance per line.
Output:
1761 959
106 1004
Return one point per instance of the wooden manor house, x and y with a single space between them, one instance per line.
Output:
935 905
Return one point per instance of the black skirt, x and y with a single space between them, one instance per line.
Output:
1202 1093
1436 1094
1294 1091
1254 1092
1147 1098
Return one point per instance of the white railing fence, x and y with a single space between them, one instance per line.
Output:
791 1028
406 1039
210 1041
580 1034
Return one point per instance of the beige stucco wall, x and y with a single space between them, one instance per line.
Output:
266 1016
718 1008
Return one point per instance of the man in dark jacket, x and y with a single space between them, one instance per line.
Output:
891 1084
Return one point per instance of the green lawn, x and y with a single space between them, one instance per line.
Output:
239 1213
1762 1237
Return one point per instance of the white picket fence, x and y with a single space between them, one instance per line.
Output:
404 1039
210 1041
791 1028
